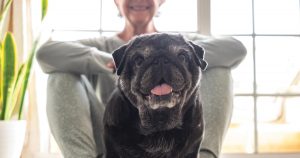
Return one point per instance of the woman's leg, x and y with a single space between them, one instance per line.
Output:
69 116
217 99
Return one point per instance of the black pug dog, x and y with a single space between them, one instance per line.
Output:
156 110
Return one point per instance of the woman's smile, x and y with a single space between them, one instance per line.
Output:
139 7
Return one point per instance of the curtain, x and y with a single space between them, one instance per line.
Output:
25 22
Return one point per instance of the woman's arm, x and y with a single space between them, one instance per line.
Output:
220 51
83 57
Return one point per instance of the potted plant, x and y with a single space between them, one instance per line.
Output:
14 77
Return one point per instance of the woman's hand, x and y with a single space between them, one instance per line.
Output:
111 65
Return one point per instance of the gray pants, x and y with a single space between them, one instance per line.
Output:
75 114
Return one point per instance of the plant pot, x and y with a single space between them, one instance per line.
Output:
12 136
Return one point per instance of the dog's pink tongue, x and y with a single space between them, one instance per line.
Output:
162 89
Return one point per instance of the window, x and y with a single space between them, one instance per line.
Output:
92 18
266 84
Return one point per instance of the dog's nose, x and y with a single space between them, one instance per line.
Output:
161 60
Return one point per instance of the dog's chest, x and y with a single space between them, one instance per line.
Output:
157 144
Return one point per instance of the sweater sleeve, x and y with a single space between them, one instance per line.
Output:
220 51
82 57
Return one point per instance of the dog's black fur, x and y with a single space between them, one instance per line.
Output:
139 124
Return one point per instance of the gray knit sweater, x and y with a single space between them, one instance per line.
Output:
90 56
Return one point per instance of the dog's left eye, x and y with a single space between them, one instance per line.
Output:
138 60
182 56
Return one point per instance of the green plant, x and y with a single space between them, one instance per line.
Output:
14 77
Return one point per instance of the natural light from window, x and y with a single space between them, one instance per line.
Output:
268 81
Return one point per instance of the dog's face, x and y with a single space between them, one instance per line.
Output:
158 74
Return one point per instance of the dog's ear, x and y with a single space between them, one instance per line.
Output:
199 52
118 56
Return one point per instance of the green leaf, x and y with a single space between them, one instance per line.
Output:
44 8
9 69
0 77
13 87
3 14
13 98
5 9
27 74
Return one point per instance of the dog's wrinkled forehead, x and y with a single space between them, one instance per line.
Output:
148 43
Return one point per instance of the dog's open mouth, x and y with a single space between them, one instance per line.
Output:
161 90
162 96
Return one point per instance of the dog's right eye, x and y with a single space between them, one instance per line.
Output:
138 60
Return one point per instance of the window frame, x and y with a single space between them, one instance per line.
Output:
205 19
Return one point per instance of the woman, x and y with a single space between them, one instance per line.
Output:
75 121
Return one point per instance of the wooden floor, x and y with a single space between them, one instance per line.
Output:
286 155
272 138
